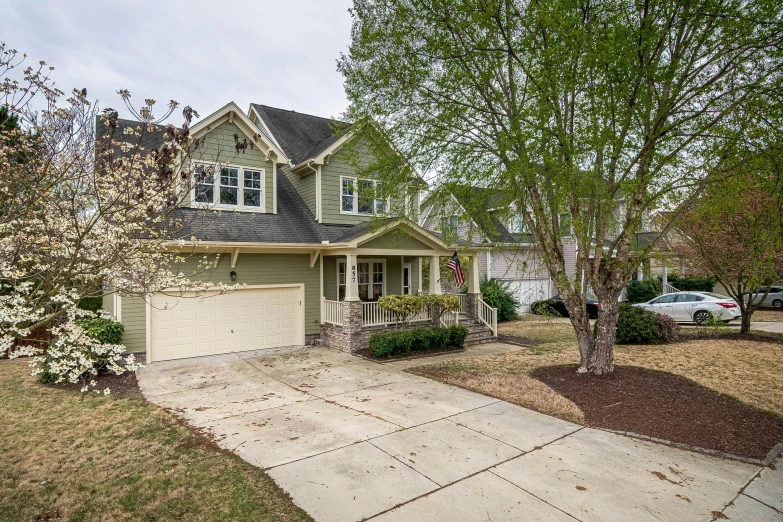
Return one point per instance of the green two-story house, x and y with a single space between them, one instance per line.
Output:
284 220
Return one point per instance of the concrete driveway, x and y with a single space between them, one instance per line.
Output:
351 440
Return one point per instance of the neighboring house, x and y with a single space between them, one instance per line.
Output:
483 217
287 220
480 216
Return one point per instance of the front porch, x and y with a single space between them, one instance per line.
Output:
350 313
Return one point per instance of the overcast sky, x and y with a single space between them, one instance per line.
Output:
204 54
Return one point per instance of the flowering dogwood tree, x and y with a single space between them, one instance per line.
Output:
81 213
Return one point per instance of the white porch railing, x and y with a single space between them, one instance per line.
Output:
332 312
488 316
449 318
373 315
666 288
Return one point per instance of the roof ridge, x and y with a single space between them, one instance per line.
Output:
297 112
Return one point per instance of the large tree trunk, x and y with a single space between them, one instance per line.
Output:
581 323
601 360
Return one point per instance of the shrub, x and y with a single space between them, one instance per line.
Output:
498 294
668 329
107 331
93 304
636 325
436 304
545 307
391 343
640 291
457 335
692 283
388 344
403 307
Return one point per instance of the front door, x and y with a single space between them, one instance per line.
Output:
406 278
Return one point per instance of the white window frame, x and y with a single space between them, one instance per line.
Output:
355 195
370 293
215 203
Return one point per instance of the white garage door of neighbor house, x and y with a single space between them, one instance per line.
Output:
529 290
212 323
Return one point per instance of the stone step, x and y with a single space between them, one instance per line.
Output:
481 340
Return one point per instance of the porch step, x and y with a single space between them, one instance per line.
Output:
478 332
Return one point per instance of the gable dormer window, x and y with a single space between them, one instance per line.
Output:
236 187
361 197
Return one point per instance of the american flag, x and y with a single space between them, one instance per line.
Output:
455 267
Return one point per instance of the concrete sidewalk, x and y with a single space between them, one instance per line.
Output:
351 439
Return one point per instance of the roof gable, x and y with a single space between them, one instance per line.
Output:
231 113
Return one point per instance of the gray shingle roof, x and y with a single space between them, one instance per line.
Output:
301 136
293 223
485 207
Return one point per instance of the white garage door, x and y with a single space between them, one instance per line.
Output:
529 290
249 319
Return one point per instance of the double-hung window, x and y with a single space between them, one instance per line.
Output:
229 186
362 197
252 188
204 181
234 187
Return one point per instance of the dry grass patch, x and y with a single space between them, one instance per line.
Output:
518 389
113 458
767 315
747 370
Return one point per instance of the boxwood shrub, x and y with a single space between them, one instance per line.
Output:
692 283
389 344
101 329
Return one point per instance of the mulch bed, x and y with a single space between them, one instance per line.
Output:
517 340
124 385
367 354
668 407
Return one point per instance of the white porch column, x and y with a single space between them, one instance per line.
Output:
665 275
434 275
473 283
351 279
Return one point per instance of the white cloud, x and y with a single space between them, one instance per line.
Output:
199 53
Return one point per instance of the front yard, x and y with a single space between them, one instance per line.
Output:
747 370
117 458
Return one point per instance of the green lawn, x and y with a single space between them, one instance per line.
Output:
114 458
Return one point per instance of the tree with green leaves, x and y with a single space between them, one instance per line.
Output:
734 233
589 112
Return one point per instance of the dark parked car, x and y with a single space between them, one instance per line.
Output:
556 303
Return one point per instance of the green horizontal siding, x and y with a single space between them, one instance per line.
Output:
251 269
218 146
134 318
304 185
396 239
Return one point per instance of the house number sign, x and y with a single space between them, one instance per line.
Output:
353 273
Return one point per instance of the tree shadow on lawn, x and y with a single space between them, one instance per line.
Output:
666 406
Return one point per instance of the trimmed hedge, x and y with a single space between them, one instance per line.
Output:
640 291
93 304
388 344
104 330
